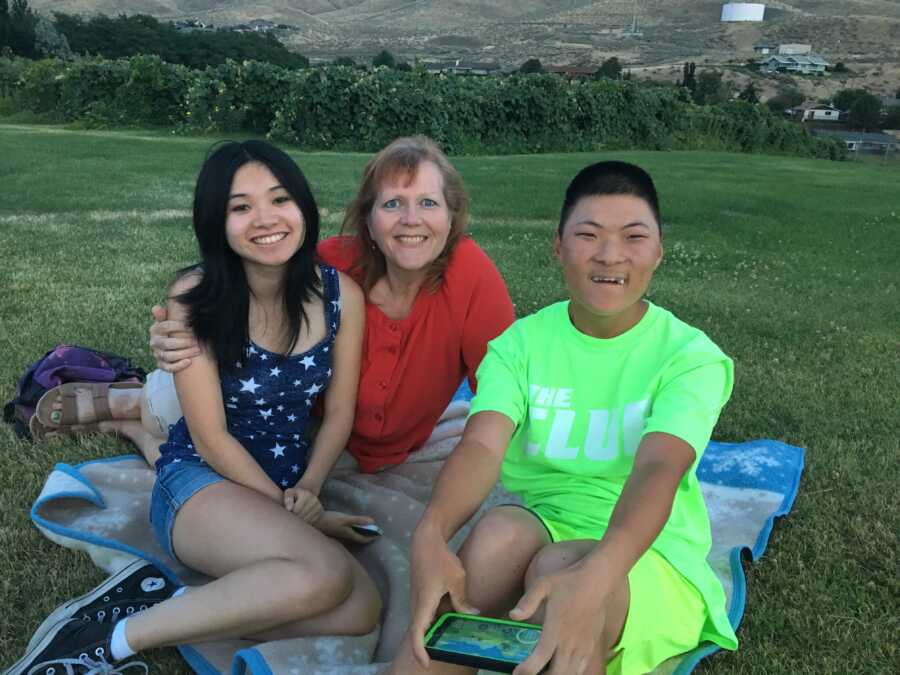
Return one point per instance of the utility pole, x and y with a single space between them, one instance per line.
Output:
634 31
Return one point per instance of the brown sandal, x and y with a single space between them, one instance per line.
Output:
39 431
55 420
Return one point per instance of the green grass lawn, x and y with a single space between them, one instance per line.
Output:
790 265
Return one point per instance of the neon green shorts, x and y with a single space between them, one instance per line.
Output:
666 613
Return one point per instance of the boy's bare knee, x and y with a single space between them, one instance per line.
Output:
496 555
555 557
503 535
491 539
546 561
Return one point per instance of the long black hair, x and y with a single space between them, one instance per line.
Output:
219 305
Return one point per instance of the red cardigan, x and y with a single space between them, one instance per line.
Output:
412 367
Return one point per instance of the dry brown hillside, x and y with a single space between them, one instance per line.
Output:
864 34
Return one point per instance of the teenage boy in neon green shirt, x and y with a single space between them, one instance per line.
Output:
596 412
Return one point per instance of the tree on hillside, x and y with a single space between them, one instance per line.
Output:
48 41
845 98
749 93
611 68
4 24
892 119
688 76
532 66
125 36
384 58
789 98
5 29
17 27
865 113
711 88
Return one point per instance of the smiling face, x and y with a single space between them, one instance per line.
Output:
409 221
264 225
609 248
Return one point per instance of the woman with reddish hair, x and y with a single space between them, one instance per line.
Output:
433 300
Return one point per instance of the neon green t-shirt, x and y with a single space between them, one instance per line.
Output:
581 406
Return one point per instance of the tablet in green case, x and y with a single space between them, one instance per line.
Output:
481 642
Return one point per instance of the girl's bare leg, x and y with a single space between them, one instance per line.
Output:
282 579
132 418
124 404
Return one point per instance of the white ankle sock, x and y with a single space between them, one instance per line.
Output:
118 643
180 591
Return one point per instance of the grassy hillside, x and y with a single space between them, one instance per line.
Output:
790 265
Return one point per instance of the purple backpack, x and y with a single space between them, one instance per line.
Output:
64 363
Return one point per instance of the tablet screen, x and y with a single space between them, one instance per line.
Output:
487 639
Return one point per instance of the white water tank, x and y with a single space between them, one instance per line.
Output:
743 11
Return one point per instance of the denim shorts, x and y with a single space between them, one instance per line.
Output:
175 484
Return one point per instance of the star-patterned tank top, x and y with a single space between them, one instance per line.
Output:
268 399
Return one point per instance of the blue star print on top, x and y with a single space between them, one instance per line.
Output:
268 399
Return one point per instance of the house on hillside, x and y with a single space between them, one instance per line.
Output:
572 72
763 48
811 64
460 67
192 25
889 102
864 142
821 112
262 25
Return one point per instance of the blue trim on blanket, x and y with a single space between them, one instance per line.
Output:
787 503
738 578
464 393
78 535
790 462
250 658
200 665
244 658
738 603
96 499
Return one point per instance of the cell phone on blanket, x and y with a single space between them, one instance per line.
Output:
367 530
481 642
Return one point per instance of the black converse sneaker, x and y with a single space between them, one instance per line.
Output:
73 647
132 589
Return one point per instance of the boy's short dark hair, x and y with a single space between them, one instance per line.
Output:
610 178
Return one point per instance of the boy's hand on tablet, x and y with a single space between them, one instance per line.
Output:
435 572
574 619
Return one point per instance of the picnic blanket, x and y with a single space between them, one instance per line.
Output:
101 507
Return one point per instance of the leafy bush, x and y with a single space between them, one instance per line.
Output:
234 96
11 70
39 85
344 108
